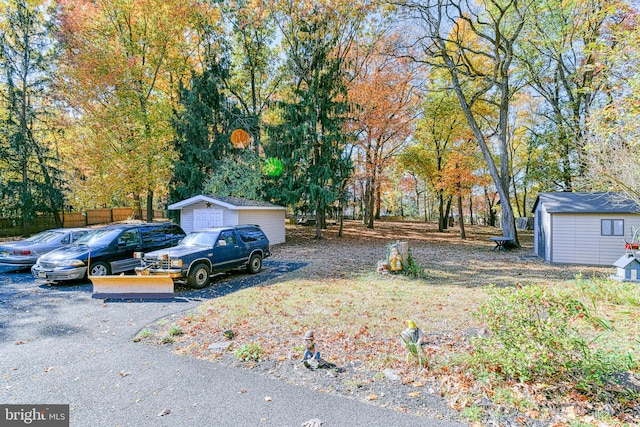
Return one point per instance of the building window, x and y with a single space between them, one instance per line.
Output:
612 227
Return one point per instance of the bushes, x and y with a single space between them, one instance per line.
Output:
536 334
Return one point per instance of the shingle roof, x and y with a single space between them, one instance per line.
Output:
227 201
597 202
241 202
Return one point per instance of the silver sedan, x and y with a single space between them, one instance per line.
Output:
25 253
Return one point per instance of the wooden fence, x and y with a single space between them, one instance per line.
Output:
13 226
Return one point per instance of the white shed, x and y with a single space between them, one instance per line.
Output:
583 228
204 211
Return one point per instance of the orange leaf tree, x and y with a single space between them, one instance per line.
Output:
460 175
122 61
383 111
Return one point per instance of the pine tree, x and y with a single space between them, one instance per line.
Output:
31 181
309 138
202 129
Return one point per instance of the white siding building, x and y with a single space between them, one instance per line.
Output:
203 211
583 228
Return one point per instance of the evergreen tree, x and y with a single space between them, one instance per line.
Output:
309 138
237 175
31 182
310 143
202 129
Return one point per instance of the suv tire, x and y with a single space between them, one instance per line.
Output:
255 264
199 276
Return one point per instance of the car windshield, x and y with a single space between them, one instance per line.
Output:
98 237
200 238
45 237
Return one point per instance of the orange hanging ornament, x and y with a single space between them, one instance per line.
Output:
240 138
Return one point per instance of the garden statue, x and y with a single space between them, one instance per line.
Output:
413 340
412 334
395 259
310 352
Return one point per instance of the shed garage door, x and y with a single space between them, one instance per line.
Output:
205 218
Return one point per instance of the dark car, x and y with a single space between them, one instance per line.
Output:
25 253
106 250
209 251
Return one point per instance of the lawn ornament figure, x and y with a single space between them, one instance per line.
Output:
311 355
395 259
412 334
413 339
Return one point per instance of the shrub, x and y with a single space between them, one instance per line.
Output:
249 352
414 269
535 336
414 352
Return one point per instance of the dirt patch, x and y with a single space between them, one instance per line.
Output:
447 258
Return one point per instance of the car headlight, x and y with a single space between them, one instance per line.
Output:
71 263
176 263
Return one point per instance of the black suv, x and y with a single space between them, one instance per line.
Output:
205 252
106 250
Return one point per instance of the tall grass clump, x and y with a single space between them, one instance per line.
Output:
610 291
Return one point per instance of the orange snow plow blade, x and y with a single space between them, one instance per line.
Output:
137 287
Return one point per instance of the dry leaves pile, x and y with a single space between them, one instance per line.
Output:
358 314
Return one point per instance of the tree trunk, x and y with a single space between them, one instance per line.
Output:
137 209
463 235
318 220
447 213
370 202
149 205
501 181
341 219
377 201
426 207
441 216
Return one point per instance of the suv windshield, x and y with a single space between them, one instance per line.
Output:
202 238
98 237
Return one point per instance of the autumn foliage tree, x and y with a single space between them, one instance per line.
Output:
476 47
568 52
253 73
441 124
383 110
123 61
460 175
612 143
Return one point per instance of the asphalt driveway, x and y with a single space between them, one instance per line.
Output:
60 346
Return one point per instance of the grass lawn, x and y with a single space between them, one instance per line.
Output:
358 314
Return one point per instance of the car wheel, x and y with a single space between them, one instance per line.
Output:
199 276
99 269
255 264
